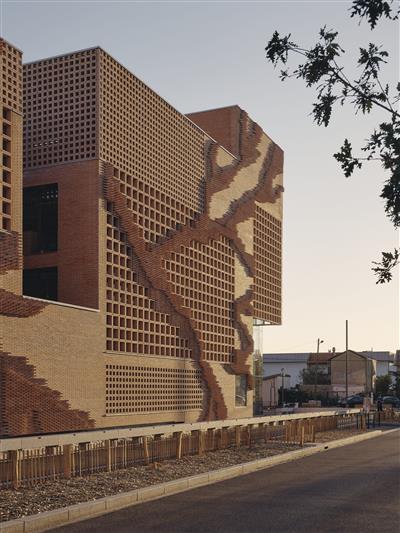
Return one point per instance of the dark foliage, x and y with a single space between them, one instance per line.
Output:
382 385
373 10
321 69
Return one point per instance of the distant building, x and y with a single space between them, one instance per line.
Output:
396 361
325 371
293 363
271 387
384 361
360 373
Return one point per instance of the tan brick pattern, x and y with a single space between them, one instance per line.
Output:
164 238
203 275
133 323
268 266
154 259
145 137
158 214
27 405
140 389
11 76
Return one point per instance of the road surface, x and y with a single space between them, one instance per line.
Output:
351 489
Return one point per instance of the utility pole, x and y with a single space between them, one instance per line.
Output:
319 341
347 358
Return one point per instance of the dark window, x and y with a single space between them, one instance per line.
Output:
241 390
41 283
40 219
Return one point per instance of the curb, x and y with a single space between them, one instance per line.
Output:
82 511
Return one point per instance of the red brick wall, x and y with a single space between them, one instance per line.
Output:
28 406
222 125
77 255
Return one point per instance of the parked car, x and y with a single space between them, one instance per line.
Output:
351 401
391 400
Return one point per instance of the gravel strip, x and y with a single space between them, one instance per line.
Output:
56 494
326 436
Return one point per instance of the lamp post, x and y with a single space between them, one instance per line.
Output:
319 341
347 360
282 376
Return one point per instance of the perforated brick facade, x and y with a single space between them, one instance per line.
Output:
268 266
139 389
60 109
171 241
11 164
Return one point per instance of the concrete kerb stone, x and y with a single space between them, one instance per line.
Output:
172 487
86 509
151 493
198 481
13 526
50 519
225 473
119 501
269 462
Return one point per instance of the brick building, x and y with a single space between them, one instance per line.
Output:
150 242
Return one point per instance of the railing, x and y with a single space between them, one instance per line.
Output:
29 467
94 435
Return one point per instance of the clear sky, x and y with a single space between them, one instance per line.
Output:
201 55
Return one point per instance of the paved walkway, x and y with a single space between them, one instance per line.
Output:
351 489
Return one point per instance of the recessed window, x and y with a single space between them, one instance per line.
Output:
241 390
40 219
41 283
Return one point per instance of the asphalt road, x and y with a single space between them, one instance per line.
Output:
351 489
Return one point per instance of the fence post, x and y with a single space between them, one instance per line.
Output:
108 455
302 436
211 439
67 460
249 426
50 462
179 444
287 428
15 469
218 438
238 430
195 437
261 430
145 450
266 426
200 437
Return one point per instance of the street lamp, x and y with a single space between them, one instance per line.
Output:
282 375
319 341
